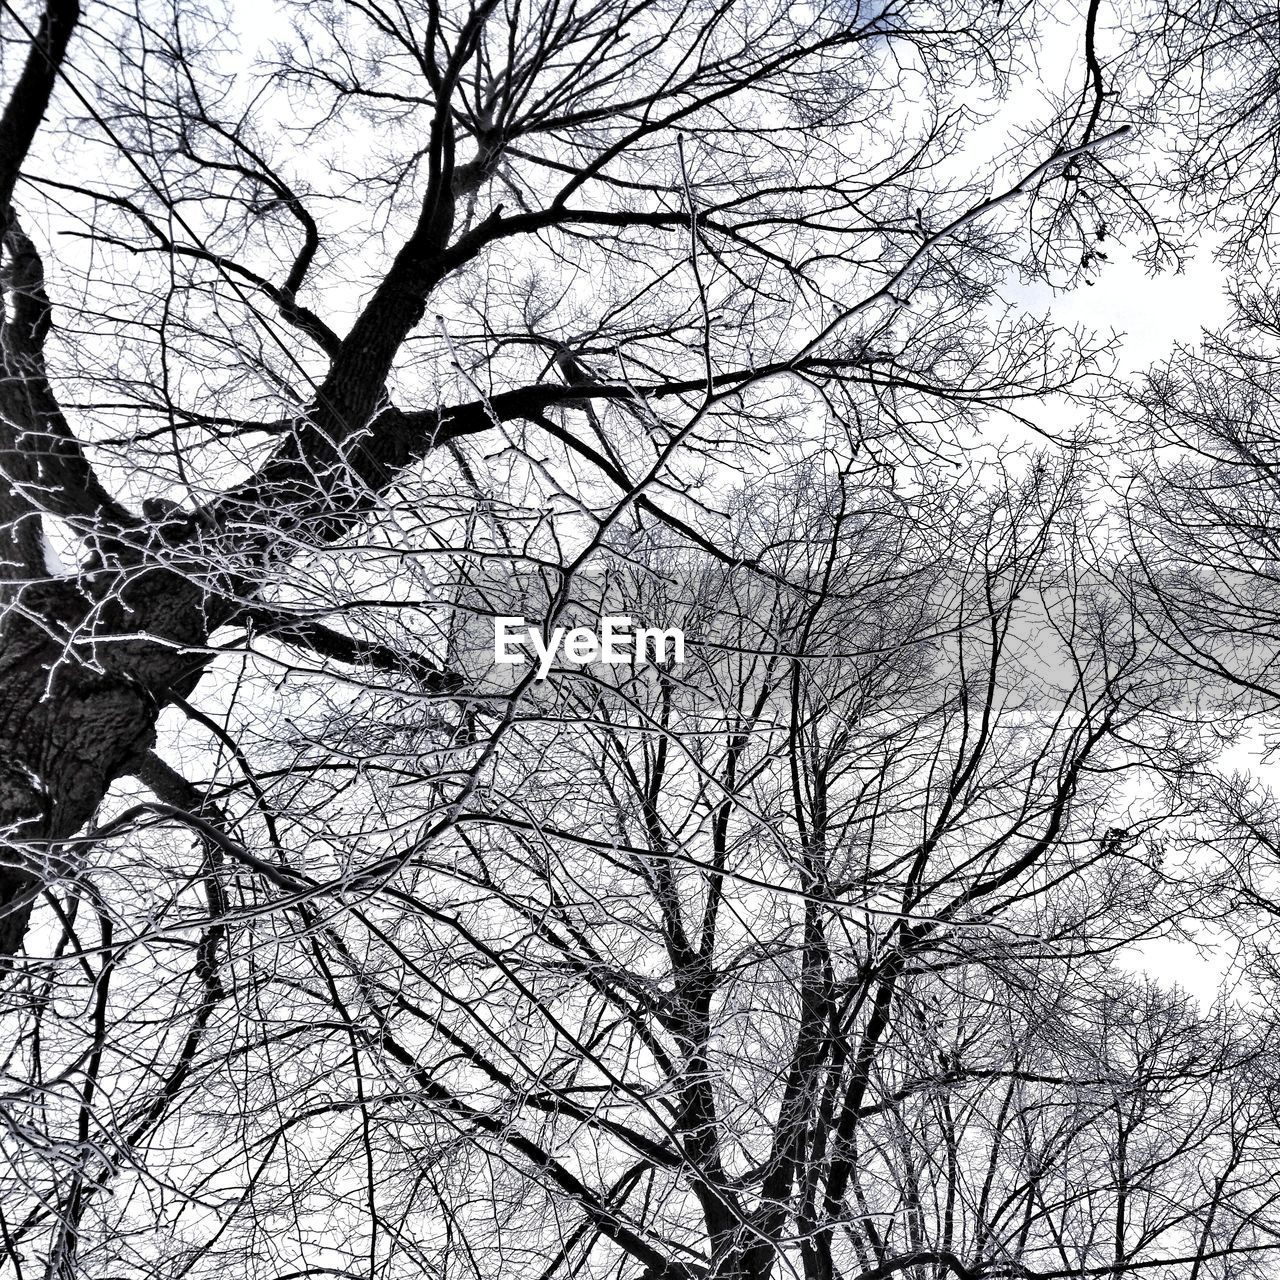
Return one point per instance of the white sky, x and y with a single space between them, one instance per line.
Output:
1151 314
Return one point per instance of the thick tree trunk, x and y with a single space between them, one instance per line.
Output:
77 711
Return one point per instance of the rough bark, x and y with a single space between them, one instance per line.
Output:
77 710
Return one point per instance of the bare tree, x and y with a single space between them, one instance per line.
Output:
795 958
329 948
480 134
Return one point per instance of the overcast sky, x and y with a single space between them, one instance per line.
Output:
1152 314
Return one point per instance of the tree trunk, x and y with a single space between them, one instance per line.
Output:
77 711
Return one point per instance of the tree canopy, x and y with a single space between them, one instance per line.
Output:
335 333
